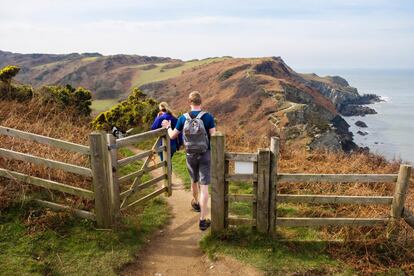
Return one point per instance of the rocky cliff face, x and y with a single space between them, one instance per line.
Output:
346 98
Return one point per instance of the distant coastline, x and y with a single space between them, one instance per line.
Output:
390 132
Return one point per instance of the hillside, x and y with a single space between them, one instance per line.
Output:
108 77
258 96
265 96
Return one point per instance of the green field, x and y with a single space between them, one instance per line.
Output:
156 74
103 105
147 76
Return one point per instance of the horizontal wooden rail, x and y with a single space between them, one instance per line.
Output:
334 199
45 140
140 137
241 177
133 158
60 207
291 222
241 197
241 221
334 178
139 156
143 185
46 162
147 197
142 172
49 184
238 156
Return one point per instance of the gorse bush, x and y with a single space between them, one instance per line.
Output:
136 111
66 97
8 73
10 91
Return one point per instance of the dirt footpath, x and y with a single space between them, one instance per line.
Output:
175 249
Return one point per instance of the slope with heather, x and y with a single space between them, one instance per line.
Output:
108 77
264 96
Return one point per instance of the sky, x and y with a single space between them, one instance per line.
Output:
305 33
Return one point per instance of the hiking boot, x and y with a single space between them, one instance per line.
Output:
204 224
195 205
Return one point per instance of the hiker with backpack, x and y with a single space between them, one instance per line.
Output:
196 126
166 114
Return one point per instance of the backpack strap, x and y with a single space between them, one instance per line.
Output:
201 114
187 116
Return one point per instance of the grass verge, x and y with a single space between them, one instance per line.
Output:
303 254
272 256
36 241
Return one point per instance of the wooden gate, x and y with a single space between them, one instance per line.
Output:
161 145
109 199
110 196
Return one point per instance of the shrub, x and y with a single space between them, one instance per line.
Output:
136 111
8 73
78 99
22 92
68 97
6 76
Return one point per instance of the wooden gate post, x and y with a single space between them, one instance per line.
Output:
113 179
274 156
263 190
166 154
101 178
218 196
398 201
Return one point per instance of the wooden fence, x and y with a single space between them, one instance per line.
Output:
103 169
265 178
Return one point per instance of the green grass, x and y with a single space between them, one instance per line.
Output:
180 168
103 105
35 241
294 250
156 74
72 246
272 256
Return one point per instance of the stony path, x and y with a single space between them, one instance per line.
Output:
175 250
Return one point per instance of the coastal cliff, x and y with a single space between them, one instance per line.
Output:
255 96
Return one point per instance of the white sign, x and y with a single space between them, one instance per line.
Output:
242 167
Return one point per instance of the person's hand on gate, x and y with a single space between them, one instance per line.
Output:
166 124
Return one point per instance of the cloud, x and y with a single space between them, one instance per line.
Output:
335 36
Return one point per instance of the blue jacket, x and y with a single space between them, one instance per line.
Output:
157 124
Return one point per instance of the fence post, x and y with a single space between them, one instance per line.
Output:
274 156
254 204
398 201
263 190
100 174
218 201
113 179
166 154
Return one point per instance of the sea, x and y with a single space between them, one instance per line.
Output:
391 131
